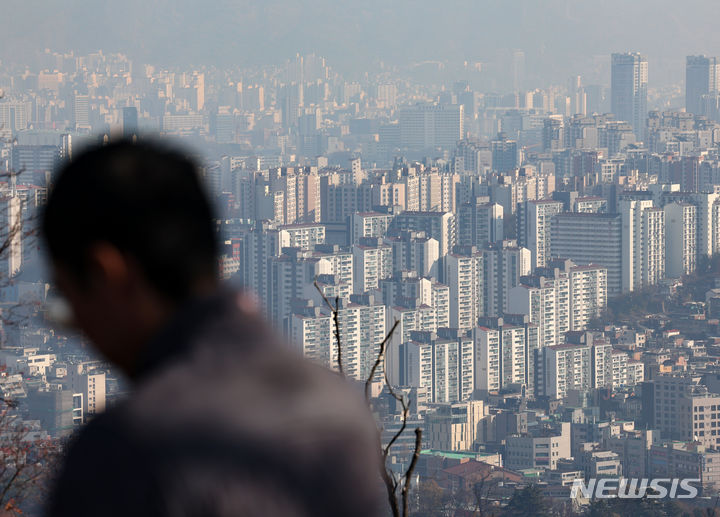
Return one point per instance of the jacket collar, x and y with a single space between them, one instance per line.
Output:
185 326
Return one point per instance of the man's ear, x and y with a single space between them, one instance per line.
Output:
107 266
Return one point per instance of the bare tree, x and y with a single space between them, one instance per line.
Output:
397 486
483 491
26 460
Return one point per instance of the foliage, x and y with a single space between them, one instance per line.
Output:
527 502
643 507
26 464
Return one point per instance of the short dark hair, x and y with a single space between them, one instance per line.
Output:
143 198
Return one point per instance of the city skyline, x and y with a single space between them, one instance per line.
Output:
500 223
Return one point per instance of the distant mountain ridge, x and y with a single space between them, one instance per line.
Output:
558 36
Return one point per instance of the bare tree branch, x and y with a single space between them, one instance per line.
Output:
400 431
336 317
335 314
410 469
379 359
391 488
392 483
26 462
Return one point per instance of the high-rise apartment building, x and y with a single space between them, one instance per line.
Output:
427 126
81 112
413 316
480 223
464 275
587 238
503 266
504 154
628 95
407 287
258 244
472 157
362 329
702 77
14 116
534 228
500 357
684 409
643 244
540 303
560 298
414 251
11 218
438 225
562 368
680 239
88 380
130 121
372 262
442 362
488 351
368 224
290 276
708 223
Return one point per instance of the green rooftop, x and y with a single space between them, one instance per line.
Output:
452 454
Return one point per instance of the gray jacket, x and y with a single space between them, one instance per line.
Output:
225 420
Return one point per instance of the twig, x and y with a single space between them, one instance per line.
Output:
391 487
389 479
9 402
395 437
336 317
379 359
411 468
335 312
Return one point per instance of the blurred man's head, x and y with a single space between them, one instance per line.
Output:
130 234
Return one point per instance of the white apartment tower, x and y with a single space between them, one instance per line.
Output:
534 234
708 223
370 265
369 224
444 364
643 244
362 329
588 294
488 376
628 95
11 220
464 275
680 239
501 356
438 225
480 223
503 266
415 251
431 125
561 298
562 368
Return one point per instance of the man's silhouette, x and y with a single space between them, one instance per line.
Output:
223 418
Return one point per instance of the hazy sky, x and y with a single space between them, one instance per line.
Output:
560 37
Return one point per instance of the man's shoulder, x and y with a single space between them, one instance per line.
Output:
105 438
266 385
